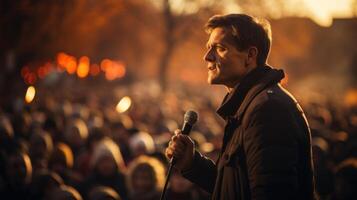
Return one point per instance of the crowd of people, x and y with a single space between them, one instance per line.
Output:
71 143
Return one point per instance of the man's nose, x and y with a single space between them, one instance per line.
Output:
209 56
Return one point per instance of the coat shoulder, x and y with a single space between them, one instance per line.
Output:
274 98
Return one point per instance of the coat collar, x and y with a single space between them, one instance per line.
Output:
235 102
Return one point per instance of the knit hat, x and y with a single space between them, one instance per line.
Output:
107 147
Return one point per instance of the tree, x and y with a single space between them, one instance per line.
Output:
179 18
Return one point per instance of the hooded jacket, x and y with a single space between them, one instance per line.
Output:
266 152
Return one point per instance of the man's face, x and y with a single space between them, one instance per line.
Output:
226 64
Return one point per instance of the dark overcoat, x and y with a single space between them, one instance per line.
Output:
266 152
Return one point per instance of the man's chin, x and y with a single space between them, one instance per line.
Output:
212 81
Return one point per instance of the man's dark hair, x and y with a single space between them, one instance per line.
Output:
247 31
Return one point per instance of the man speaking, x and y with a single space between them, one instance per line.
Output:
266 150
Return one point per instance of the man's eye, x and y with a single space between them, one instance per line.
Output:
220 48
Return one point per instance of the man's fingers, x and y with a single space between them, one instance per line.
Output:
174 138
169 152
185 139
177 132
178 147
177 153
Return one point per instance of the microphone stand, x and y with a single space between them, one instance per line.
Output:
190 118
172 163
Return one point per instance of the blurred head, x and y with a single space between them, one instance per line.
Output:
6 134
95 136
237 44
145 174
41 147
142 143
345 179
320 149
179 184
61 158
6 130
21 123
18 169
65 192
44 183
107 159
76 133
103 193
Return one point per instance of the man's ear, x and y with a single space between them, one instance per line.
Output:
252 56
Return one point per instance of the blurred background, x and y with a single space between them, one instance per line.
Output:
91 91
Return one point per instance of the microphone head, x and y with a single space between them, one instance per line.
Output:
190 117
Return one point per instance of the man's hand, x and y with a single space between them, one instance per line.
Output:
181 147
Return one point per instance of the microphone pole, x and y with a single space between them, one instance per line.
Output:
190 119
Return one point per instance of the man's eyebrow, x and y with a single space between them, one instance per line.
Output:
208 45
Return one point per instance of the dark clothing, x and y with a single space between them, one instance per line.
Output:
266 152
153 195
115 181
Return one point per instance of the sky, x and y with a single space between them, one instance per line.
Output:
320 11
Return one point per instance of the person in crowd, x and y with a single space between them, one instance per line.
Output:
76 134
61 162
107 169
44 183
346 180
41 147
6 135
65 192
323 173
103 193
141 143
82 163
18 176
145 178
181 188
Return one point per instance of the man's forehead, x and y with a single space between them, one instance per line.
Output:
220 34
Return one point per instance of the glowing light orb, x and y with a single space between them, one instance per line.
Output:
30 94
124 104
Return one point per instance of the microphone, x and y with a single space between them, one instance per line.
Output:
189 119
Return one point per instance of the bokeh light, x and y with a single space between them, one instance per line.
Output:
94 70
30 94
123 105
83 67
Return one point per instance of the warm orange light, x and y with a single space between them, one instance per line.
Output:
109 75
66 62
62 59
94 70
30 94
41 72
83 67
24 71
71 65
114 70
120 69
30 78
124 104
351 98
105 64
